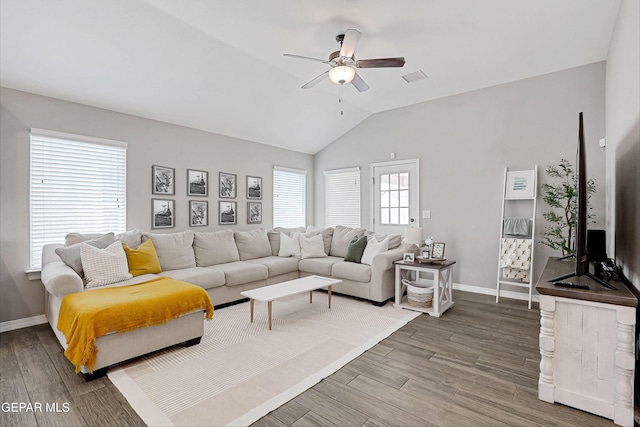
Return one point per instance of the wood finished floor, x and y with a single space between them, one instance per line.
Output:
476 365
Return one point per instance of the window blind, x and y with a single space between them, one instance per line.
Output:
289 197
77 184
342 197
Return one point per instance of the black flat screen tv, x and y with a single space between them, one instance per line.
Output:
581 259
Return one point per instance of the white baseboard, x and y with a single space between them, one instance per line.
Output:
492 291
12 325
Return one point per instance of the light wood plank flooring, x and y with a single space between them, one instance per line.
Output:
476 365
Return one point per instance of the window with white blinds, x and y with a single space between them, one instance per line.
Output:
78 184
342 197
289 197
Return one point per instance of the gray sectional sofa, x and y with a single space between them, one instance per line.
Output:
226 263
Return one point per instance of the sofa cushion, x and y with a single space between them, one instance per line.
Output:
342 236
204 277
70 255
75 238
175 250
351 271
104 266
274 237
320 266
393 239
131 238
215 247
327 237
241 272
277 265
374 247
143 259
311 246
252 244
356 249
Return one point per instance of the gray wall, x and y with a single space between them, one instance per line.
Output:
464 143
623 140
150 142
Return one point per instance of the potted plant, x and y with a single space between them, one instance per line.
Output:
559 234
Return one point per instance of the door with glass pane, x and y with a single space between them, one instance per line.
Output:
395 196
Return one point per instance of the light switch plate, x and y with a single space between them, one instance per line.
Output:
426 214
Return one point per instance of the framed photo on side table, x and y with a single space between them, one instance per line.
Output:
163 180
198 213
408 256
162 213
197 183
438 250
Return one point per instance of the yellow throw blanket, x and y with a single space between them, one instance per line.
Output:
86 316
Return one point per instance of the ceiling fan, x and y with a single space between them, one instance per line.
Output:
343 63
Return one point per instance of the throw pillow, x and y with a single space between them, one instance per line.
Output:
131 238
143 259
104 266
289 246
342 236
311 246
356 249
394 239
373 248
175 250
70 255
252 244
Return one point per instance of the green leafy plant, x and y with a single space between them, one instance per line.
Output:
559 234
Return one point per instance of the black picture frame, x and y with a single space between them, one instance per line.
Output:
254 212
228 188
163 180
254 187
163 213
197 183
227 212
198 213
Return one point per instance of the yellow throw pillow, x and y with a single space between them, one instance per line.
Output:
143 259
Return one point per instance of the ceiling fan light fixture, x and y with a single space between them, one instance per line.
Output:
342 74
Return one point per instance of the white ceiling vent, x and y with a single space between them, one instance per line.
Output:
415 76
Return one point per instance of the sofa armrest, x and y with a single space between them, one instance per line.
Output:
383 272
57 277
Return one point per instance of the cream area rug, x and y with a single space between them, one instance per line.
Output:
241 371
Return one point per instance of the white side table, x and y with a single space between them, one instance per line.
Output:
441 275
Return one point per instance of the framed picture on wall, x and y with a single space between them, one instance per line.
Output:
227 213
228 187
197 183
198 213
163 180
520 184
254 213
162 213
254 187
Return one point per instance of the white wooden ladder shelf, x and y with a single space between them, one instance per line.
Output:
517 230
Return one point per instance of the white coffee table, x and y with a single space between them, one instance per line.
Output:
297 286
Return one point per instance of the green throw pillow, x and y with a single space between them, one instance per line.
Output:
356 249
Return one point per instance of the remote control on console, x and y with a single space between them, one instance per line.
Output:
571 285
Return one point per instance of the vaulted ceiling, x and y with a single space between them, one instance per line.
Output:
219 65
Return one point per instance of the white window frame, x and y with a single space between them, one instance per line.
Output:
342 197
77 184
289 198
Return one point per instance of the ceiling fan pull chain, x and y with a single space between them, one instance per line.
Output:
340 101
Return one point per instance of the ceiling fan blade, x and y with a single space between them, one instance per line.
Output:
349 43
306 57
380 62
317 80
359 83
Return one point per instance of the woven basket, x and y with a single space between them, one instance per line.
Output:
419 297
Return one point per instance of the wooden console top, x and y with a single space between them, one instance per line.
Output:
595 293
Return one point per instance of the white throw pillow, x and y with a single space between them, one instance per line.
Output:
104 266
312 247
373 248
289 246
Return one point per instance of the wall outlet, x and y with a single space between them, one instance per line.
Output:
426 214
